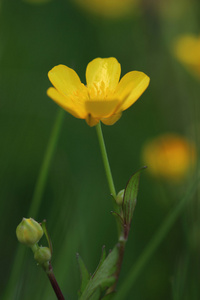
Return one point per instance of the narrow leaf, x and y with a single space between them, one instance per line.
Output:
96 295
130 197
44 227
85 276
118 217
103 257
104 276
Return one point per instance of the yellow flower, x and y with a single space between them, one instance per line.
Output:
169 156
108 8
187 50
104 97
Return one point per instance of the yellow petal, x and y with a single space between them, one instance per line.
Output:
130 88
111 120
101 109
65 80
66 103
102 75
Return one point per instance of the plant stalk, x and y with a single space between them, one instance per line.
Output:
54 284
108 173
155 242
12 290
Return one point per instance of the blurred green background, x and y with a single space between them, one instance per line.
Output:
76 201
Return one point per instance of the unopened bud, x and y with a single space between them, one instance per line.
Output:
29 232
120 197
42 255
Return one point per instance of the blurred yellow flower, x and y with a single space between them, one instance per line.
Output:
108 8
104 97
187 50
169 156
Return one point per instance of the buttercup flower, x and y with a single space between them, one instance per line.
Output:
104 97
187 51
169 156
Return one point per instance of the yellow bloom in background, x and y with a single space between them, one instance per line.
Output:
108 8
187 50
169 156
104 97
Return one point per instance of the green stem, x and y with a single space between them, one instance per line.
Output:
105 160
108 172
154 243
122 245
12 289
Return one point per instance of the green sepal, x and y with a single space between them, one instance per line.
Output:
85 276
130 198
104 277
44 227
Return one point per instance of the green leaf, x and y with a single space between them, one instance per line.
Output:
118 217
85 276
104 277
103 257
44 227
130 197
96 294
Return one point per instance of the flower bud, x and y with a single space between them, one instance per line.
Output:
42 255
29 232
120 197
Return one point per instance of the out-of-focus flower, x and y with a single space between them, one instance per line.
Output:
169 156
108 8
187 51
29 232
104 98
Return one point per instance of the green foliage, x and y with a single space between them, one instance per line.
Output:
85 276
103 277
103 257
130 198
44 227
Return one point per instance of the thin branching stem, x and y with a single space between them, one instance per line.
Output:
12 290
